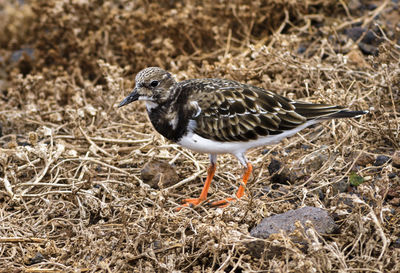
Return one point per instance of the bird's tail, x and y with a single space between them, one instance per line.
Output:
325 111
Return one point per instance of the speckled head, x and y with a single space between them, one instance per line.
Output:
153 85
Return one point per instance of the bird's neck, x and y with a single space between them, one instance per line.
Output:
169 118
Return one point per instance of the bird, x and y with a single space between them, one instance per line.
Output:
221 116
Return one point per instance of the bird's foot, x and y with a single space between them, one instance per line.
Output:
189 203
223 203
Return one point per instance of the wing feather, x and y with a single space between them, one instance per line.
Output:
231 111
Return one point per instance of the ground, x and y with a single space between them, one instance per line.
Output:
71 191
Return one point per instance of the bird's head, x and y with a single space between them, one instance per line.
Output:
153 85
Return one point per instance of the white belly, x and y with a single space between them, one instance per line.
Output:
197 143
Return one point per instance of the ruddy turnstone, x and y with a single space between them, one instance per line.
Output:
218 116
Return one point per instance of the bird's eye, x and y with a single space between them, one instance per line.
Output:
154 83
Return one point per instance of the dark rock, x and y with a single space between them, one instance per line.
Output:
369 37
157 245
321 195
396 243
157 172
37 259
369 42
381 160
23 143
275 187
280 175
355 32
347 201
301 49
280 178
371 6
265 151
274 166
305 147
320 218
368 49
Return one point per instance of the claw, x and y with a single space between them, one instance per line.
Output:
203 196
192 202
189 203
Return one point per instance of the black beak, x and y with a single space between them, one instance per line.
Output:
134 96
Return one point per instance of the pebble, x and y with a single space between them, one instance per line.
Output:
364 159
322 221
156 172
280 175
381 160
37 259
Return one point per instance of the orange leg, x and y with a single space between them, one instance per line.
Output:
240 192
203 196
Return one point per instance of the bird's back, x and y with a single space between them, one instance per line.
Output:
231 111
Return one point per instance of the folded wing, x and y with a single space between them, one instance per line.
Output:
230 111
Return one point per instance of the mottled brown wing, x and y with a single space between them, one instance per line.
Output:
236 112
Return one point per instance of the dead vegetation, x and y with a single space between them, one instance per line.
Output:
70 189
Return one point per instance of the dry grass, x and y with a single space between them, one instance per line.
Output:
70 189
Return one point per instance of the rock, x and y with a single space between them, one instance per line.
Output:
305 146
368 50
274 166
381 160
323 223
320 218
364 159
313 162
396 243
370 6
369 37
279 174
317 162
158 172
396 159
302 48
369 42
347 202
37 259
